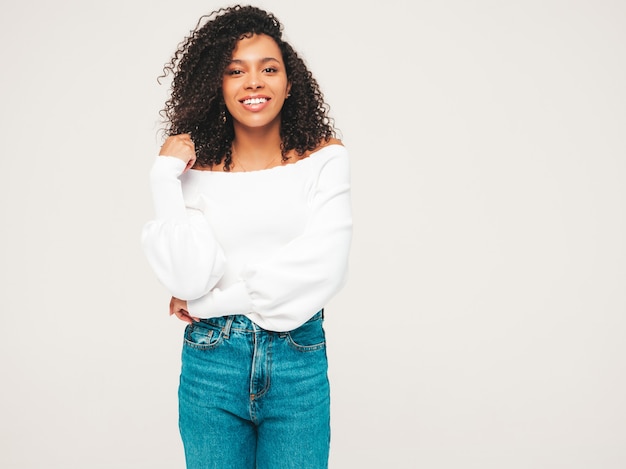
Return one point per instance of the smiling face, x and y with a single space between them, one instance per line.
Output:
255 84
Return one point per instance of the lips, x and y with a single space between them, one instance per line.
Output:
253 101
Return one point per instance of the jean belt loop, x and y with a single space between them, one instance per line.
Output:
227 326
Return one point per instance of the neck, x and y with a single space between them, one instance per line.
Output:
256 150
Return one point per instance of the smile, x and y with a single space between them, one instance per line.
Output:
251 101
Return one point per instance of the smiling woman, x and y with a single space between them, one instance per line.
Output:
255 83
216 57
255 88
251 237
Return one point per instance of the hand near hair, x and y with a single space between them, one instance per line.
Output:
180 146
178 308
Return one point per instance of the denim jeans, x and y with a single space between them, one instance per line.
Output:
251 398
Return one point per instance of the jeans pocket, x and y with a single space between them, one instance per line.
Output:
202 336
308 337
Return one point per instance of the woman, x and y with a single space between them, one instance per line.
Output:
251 237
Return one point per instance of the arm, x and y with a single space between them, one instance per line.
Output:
179 243
301 277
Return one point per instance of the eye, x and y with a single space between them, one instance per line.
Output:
234 72
270 70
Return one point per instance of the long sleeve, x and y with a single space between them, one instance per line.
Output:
179 243
298 280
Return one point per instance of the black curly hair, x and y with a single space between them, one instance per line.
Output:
196 104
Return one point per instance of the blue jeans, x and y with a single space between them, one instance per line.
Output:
251 398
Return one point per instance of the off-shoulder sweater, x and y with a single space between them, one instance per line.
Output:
271 244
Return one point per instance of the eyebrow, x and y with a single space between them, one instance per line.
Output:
264 60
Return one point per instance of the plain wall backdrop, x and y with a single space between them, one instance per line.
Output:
483 323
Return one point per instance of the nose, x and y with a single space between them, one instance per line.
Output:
255 81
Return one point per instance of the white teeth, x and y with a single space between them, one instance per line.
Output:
255 101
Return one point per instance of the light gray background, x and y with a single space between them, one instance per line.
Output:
483 324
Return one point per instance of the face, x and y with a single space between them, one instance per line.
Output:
255 83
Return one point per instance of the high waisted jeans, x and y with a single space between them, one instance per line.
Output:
251 398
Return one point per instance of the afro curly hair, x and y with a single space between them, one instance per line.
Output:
196 104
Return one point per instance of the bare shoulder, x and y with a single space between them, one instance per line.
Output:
330 141
323 144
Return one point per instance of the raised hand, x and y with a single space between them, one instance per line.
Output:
180 146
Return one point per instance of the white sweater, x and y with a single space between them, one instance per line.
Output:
271 244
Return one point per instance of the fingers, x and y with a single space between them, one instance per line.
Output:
182 147
178 308
184 316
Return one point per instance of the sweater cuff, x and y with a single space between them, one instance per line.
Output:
167 193
232 300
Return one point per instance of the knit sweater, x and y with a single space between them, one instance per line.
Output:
271 244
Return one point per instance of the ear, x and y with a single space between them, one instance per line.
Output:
288 88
